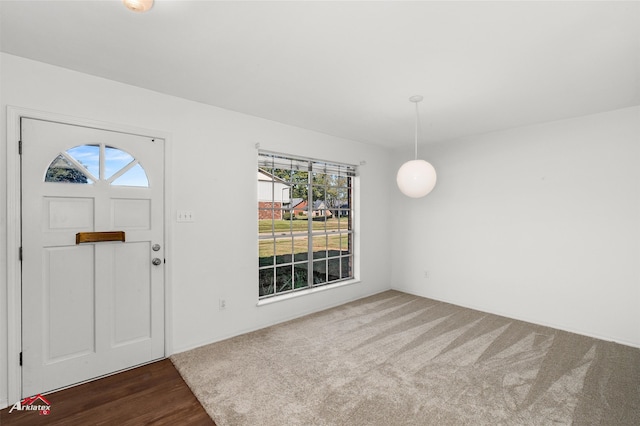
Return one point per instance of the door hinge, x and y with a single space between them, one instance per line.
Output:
19 147
20 254
20 358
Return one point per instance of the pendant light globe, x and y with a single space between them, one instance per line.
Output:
416 178
138 5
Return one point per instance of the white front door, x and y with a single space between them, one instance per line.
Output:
92 304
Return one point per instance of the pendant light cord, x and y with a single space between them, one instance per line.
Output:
416 100
416 136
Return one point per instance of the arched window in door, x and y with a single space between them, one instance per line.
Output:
87 164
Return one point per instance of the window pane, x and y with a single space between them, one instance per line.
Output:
300 176
281 175
321 210
342 198
343 220
300 275
301 248
286 218
62 170
283 224
319 246
114 160
334 269
265 282
265 226
284 250
346 243
269 211
299 196
347 269
330 225
319 272
135 176
318 196
284 279
319 179
334 245
88 156
339 245
265 252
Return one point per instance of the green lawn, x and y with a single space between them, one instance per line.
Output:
286 246
301 225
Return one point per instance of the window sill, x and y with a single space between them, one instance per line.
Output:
301 293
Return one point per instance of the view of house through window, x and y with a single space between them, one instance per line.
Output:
305 223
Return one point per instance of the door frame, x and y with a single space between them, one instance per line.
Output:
14 225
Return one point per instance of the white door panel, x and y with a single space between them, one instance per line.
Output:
131 298
93 308
68 303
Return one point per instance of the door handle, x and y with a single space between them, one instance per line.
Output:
156 261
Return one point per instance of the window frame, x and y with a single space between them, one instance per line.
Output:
336 263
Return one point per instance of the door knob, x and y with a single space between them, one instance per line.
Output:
155 247
156 261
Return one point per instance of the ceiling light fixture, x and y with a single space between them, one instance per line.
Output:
138 5
416 178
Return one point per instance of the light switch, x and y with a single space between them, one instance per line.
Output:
185 216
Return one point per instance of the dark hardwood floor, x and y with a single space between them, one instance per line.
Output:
153 394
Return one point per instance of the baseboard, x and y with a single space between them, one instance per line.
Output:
529 320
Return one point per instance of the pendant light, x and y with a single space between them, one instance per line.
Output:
138 5
416 178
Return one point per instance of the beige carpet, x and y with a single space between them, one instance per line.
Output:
397 359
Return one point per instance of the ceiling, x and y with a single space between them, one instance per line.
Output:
348 68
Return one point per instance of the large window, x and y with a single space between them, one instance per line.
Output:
305 223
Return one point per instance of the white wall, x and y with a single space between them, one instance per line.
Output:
539 223
209 259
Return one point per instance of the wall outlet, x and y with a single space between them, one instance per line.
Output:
222 304
185 216
426 274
